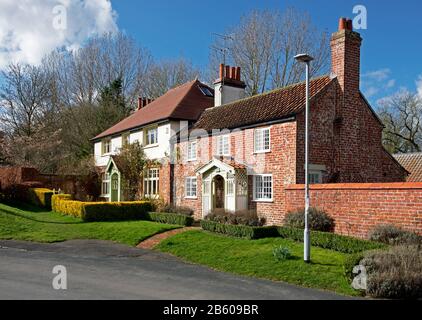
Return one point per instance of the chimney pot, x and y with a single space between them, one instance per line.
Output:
238 73
349 24
342 25
233 73
227 75
221 71
140 101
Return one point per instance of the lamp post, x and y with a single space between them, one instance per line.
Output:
305 58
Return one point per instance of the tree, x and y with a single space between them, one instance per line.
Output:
402 117
264 44
131 162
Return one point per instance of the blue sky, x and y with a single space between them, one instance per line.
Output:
175 28
391 44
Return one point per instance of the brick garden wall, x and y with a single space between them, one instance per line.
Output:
357 208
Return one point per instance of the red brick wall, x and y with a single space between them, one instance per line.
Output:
357 208
17 175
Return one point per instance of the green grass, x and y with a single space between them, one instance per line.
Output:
25 222
255 258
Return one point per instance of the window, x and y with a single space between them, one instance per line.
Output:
206 91
192 150
105 184
262 140
230 187
190 187
263 187
151 183
315 177
223 146
125 139
106 146
151 136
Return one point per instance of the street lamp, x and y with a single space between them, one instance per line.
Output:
305 58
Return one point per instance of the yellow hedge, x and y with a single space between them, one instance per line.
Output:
40 197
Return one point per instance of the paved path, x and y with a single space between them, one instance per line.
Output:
105 270
156 239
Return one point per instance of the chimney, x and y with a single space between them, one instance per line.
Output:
228 87
143 102
345 57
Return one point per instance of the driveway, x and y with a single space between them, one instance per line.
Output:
105 270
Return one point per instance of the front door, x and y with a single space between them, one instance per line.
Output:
219 195
114 187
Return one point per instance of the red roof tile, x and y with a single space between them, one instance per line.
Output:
412 162
273 105
185 102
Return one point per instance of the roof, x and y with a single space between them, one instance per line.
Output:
185 102
229 165
269 106
412 162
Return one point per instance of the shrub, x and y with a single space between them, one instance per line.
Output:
282 253
350 262
186 211
395 273
330 240
239 231
393 235
243 217
40 197
318 220
170 218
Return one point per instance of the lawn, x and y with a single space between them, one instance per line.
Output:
34 224
255 258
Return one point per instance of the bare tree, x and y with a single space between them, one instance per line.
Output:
264 44
402 117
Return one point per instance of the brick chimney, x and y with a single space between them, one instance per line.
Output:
345 57
143 102
228 87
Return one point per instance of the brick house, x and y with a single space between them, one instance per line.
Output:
242 153
152 125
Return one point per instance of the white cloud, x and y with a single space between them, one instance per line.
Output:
371 91
28 29
378 75
419 86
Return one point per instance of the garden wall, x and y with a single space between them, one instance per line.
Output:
357 208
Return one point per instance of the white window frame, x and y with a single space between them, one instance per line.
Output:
191 188
148 142
262 198
192 151
260 133
105 184
223 145
152 176
106 144
317 173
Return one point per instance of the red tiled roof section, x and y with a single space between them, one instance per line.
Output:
265 107
185 102
412 162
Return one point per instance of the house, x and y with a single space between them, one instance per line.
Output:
412 162
242 153
152 125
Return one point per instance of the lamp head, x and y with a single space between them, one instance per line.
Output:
306 58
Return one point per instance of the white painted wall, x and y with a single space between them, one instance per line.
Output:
228 94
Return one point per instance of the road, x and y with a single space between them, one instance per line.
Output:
105 270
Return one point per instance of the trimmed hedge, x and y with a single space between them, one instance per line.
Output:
40 197
324 240
239 231
170 218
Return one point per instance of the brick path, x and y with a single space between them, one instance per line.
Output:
156 239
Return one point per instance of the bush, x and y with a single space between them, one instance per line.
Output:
318 220
351 261
330 240
244 217
395 274
282 253
40 197
393 235
186 211
170 218
239 231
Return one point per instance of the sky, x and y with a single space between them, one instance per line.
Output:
184 28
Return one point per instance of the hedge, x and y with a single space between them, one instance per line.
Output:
324 240
170 218
239 231
40 197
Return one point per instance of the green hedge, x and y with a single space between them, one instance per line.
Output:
40 197
239 231
318 239
170 218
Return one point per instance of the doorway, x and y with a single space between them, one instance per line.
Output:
219 194
114 188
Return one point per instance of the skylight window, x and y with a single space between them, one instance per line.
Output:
207 92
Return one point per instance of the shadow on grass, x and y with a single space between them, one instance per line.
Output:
34 210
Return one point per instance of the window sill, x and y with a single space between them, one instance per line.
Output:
192 160
150 146
261 152
263 200
191 198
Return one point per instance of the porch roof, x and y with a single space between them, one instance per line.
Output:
229 166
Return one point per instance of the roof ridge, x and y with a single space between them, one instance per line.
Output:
263 94
407 154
